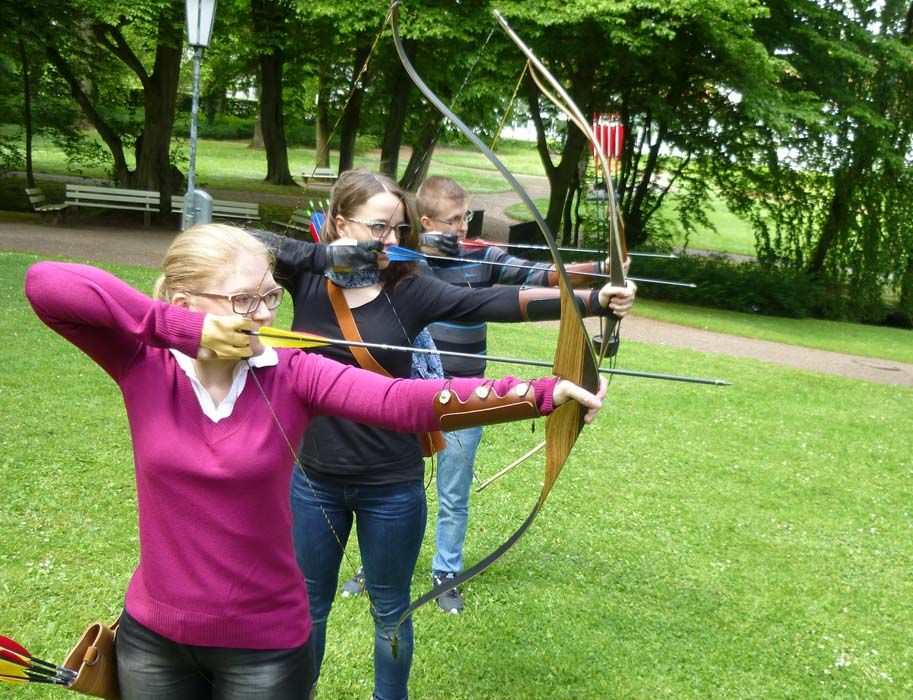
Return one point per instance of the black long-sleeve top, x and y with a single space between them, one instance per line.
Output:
341 451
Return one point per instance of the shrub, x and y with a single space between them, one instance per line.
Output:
753 288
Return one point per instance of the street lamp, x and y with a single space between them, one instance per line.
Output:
200 16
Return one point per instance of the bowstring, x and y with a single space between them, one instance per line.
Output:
456 97
310 485
356 84
606 213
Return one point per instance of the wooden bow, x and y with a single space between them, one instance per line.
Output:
575 356
616 242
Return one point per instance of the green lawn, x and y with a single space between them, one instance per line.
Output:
733 235
749 541
853 338
232 165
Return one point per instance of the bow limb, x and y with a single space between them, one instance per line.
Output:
617 246
574 357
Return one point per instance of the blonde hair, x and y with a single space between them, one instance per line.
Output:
201 254
434 192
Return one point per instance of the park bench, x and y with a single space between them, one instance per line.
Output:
145 201
223 209
300 220
40 204
320 174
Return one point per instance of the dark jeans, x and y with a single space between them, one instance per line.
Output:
390 523
151 667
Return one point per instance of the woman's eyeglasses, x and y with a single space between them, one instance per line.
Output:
379 229
455 221
245 303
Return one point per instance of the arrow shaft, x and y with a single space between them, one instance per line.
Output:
496 358
572 273
533 246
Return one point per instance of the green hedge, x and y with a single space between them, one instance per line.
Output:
752 288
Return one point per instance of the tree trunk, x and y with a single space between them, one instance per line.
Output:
323 116
27 113
352 114
267 20
108 135
154 170
839 218
153 146
396 120
561 176
272 119
422 150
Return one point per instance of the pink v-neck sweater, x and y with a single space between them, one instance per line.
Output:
217 566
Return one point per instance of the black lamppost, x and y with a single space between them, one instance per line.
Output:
200 16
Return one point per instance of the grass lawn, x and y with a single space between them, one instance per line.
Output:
749 541
232 165
852 338
733 235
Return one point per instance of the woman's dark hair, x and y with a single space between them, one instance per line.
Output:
351 191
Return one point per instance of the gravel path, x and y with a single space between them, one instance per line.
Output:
139 246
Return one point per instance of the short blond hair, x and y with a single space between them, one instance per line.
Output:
435 192
201 254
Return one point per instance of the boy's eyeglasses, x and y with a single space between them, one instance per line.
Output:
245 303
455 221
379 229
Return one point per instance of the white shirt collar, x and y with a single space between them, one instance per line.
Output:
267 358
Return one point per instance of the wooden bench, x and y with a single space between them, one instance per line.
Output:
320 174
300 220
145 201
40 204
223 208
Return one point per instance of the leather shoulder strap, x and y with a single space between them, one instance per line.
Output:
350 331
430 442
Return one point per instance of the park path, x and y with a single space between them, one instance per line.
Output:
139 246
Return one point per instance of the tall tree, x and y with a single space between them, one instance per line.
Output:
827 187
130 34
669 68
271 22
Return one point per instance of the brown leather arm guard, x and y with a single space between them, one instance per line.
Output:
544 303
484 407
578 273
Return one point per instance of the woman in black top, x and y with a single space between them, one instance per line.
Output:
351 469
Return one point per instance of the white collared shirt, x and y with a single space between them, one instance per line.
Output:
267 358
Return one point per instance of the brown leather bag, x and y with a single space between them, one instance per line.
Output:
95 662
430 442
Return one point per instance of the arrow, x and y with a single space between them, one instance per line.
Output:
278 338
397 253
483 243
13 652
23 673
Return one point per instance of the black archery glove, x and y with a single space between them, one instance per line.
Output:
352 258
445 243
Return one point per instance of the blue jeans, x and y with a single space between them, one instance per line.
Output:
454 479
391 524
150 667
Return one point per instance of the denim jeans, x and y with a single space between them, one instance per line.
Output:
390 522
454 479
151 667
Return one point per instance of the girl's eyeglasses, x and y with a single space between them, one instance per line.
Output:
244 303
379 229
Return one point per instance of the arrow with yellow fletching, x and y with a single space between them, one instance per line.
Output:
17 665
278 338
